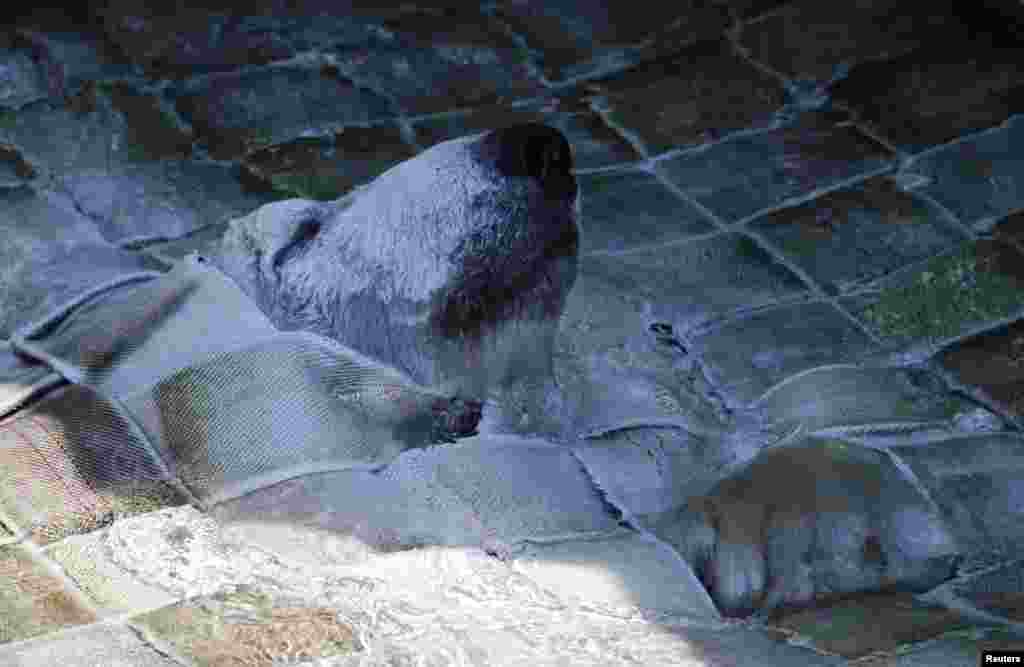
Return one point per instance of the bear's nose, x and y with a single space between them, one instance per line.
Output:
533 150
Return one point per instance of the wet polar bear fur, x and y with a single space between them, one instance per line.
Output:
452 266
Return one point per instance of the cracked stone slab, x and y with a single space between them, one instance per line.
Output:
169 199
997 593
87 560
952 649
152 130
325 169
611 358
685 284
97 644
623 210
812 41
750 354
435 61
703 93
978 484
994 361
21 83
193 39
849 237
87 132
571 40
936 301
870 623
248 625
14 171
624 368
594 144
741 176
749 9
104 159
33 599
851 397
68 57
1010 228
928 97
234 113
978 179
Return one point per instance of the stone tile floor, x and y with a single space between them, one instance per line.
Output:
788 184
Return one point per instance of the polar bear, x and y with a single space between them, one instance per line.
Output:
453 267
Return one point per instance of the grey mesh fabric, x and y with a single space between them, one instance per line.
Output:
131 335
220 400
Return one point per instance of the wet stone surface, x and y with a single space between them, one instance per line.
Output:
999 592
152 127
838 396
573 40
750 354
977 483
199 40
438 61
849 237
14 170
629 209
280 104
739 177
979 179
691 282
1010 228
879 622
22 84
810 40
932 96
702 93
993 361
950 650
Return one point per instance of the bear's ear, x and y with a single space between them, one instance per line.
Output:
531 150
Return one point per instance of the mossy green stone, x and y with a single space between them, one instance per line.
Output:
948 293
